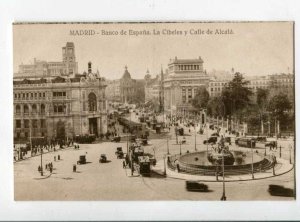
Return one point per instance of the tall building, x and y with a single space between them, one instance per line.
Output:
216 87
180 83
282 84
68 65
112 90
60 107
127 87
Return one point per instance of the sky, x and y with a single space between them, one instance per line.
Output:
256 48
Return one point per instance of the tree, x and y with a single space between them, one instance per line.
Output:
279 104
201 98
262 98
216 107
236 95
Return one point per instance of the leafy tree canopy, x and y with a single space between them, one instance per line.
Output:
201 98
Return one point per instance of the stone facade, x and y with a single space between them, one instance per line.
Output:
60 107
127 87
180 83
68 66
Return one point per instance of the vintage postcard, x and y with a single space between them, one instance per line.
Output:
154 111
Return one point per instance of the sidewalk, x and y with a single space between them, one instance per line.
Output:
282 167
28 156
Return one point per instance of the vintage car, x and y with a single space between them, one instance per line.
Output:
215 134
191 185
103 158
119 153
271 144
277 190
212 139
144 165
116 139
82 160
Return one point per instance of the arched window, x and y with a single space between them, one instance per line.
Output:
26 109
18 109
92 102
34 109
42 108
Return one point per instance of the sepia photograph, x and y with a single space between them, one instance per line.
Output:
154 111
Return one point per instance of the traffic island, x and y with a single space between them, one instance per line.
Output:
281 167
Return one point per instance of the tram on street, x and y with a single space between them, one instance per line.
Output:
245 142
144 165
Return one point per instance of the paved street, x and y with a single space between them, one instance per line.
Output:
109 181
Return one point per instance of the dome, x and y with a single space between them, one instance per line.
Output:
126 74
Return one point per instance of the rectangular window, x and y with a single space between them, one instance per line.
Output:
60 109
18 123
26 123
183 95
26 134
43 123
34 123
189 95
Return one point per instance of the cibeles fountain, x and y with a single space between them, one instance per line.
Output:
211 161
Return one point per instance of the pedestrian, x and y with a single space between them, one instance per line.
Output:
50 169
124 164
46 166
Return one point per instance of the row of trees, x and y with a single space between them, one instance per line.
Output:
239 102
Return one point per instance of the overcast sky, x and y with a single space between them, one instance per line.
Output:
253 48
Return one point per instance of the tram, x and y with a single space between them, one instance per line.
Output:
245 142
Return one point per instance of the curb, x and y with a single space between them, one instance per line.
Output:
234 180
40 154
42 178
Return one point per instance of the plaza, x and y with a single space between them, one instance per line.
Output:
110 181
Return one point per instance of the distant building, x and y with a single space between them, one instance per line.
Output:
112 90
68 65
183 78
59 107
127 87
216 87
282 84
152 88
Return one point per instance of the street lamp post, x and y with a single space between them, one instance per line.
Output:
180 148
265 151
41 161
165 168
252 159
168 146
223 195
290 154
195 136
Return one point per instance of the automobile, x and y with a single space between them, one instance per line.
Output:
215 134
144 141
116 139
103 158
277 190
261 139
228 140
271 144
191 185
119 153
82 160
212 139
